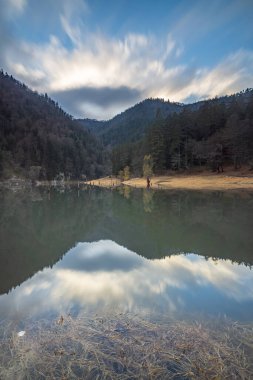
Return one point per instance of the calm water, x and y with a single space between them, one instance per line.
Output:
133 250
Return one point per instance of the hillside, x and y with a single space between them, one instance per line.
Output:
39 140
207 134
132 124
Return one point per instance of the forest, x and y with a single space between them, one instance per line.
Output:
40 141
211 135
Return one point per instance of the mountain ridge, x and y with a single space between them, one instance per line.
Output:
39 140
138 118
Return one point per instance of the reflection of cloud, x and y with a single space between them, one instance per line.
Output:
104 273
230 279
103 256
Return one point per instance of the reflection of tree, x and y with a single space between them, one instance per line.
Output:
36 230
38 227
148 200
125 191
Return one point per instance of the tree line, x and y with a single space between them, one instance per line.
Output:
218 133
39 140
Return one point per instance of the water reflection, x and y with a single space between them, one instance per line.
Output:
125 191
38 227
105 274
148 200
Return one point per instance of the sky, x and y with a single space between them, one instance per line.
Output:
97 58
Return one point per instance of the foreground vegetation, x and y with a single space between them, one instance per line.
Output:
123 346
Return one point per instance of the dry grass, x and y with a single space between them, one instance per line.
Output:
105 182
195 182
124 346
229 180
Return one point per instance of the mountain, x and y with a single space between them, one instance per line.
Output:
207 134
131 125
39 140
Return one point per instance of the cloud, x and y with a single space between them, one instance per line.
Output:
103 97
10 8
98 76
199 20
233 74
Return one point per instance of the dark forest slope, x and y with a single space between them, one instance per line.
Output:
38 139
208 133
132 124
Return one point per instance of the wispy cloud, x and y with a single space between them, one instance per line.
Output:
11 7
143 64
105 98
199 19
72 21
233 74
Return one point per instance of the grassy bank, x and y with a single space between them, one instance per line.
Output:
123 346
195 182
229 180
105 182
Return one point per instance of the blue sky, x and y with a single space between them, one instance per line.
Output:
97 58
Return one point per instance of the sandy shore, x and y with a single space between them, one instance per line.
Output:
196 182
190 182
105 182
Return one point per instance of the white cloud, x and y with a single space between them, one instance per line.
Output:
72 21
135 61
13 7
233 74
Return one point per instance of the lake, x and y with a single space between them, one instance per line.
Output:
153 255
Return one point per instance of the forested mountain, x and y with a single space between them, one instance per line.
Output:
39 140
208 133
132 124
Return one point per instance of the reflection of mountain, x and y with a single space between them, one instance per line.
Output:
106 275
36 234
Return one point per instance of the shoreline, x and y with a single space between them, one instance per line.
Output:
227 181
202 181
